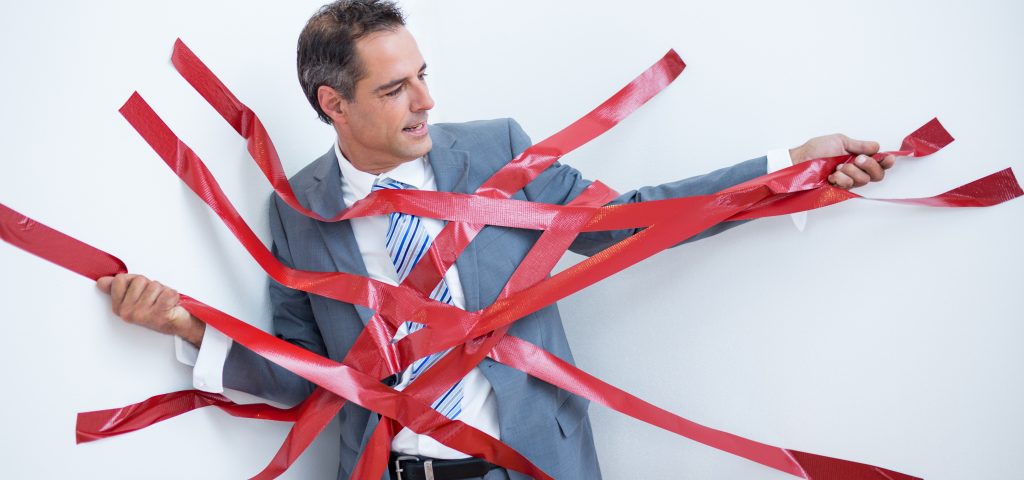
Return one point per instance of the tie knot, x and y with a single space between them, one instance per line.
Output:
391 184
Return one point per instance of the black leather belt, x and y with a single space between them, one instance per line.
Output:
412 467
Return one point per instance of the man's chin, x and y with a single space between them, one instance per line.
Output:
420 149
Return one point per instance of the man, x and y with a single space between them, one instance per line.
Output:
363 73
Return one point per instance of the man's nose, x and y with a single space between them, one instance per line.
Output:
422 101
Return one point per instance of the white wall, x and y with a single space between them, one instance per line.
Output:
884 334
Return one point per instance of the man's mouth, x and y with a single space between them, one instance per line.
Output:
417 128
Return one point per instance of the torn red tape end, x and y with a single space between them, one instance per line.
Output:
817 467
91 426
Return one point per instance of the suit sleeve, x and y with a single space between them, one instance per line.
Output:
292 321
560 183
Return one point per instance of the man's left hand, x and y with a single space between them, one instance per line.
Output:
860 171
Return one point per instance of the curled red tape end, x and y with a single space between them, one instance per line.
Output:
928 139
92 426
676 61
111 422
818 467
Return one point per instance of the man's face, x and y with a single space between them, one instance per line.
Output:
385 124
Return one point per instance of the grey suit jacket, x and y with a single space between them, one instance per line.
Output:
546 424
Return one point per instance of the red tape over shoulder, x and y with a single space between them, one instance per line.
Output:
472 335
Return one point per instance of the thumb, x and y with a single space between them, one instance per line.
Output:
104 284
860 147
179 315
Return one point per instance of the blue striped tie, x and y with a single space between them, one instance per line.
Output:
406 241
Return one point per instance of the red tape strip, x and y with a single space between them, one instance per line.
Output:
109 423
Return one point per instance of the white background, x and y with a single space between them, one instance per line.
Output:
884 334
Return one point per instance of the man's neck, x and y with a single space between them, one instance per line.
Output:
368 167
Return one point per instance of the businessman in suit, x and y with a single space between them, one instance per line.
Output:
363 73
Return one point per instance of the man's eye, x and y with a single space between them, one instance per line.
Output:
423 76
395 92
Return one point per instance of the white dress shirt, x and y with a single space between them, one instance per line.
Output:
479 405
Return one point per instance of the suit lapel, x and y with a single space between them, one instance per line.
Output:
325 199
451 173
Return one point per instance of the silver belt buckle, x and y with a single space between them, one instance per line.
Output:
398 466
428 469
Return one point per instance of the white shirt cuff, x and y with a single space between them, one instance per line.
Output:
207 361
777 160
185 352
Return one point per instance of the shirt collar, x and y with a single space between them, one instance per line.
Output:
413 173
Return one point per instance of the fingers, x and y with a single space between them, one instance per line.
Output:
104 283
118 289
141 301
167 299
859 177
858 173
888 161
860 147
870 166
131 294
150 294
131 303
841 180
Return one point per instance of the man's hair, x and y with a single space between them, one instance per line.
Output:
326 53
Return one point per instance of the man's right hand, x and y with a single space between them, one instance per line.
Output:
141 301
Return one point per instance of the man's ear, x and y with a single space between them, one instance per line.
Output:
332 103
